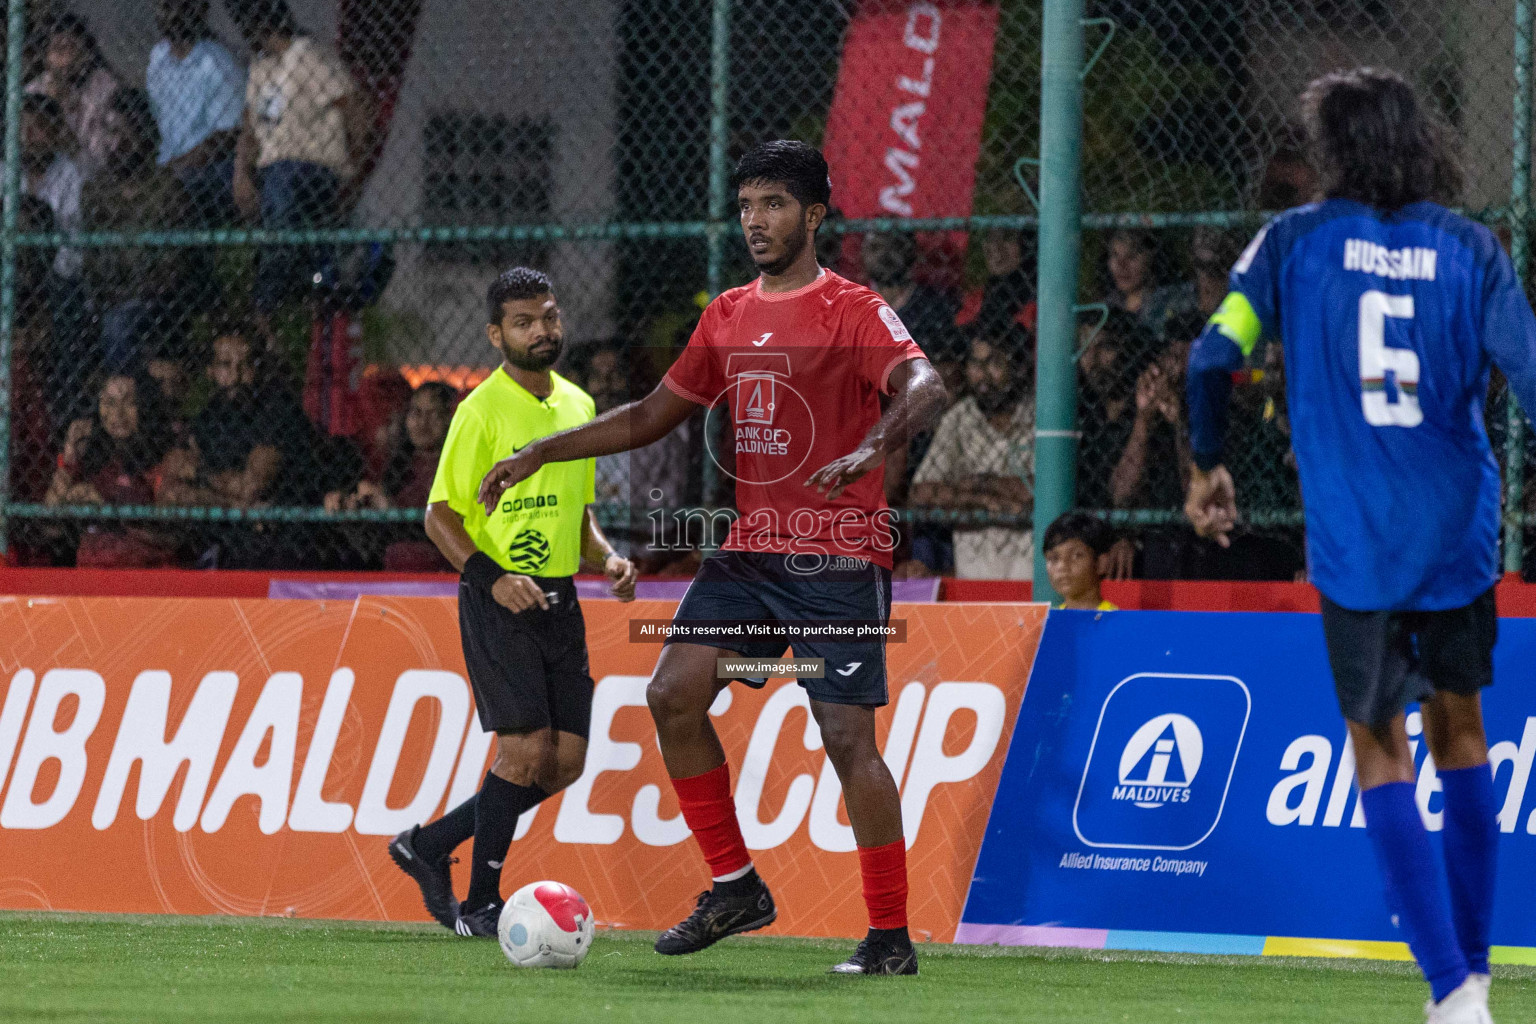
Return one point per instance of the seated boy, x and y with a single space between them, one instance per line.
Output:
1077 549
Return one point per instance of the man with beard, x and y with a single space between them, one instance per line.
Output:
982 460
524 638
253 444
817 372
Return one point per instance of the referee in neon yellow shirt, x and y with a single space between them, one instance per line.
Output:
524 638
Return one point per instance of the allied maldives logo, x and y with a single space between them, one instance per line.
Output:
1161 761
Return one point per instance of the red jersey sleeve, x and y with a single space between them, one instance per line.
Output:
882 342
697 375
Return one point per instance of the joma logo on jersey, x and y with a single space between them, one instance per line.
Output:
1159 763
540 501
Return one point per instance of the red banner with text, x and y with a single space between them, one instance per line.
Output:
904 130
202 756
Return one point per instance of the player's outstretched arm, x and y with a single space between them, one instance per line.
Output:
630 426
917 399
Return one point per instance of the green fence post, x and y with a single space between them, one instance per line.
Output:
15 39
1061 136
719 176
1519 254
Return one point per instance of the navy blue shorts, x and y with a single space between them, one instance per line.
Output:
751 586
1384 661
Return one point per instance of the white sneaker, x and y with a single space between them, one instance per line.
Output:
1468 1004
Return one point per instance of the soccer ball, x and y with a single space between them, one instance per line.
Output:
545 924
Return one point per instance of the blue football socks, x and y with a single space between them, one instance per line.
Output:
1471 858
1415 884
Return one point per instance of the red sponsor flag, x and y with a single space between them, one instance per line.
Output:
904 131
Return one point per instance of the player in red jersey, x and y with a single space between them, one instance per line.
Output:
823 382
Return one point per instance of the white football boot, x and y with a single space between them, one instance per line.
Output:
1468 1004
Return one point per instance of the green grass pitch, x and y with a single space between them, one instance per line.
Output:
74 967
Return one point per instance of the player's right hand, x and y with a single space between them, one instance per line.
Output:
519 593
507 473
1212 504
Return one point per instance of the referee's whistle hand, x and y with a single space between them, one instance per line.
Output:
507 473
519 593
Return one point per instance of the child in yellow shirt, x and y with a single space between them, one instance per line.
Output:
1077 559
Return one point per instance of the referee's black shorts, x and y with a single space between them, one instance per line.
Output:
1384 661
528 669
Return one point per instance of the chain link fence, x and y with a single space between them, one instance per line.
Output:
247 264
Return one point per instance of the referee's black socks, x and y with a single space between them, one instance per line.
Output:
499 804
440 838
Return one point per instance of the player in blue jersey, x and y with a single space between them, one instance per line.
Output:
1390 310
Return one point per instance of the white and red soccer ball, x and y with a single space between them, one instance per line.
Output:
545 924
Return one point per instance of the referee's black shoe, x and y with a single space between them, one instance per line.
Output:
475 924
716 916
887 951
433 879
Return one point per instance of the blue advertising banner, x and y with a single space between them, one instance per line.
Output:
1184 781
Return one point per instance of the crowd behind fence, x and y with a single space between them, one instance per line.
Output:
245 260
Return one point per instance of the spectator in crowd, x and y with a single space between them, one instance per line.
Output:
1110 360
1133 265
383 399
114 458
77 78
197 91
51 174
1149 473
411 465
982 460
251 444
1288 179
31 347
138 292
1077 551
1006 301
929 315
404 483
1212 252
305 129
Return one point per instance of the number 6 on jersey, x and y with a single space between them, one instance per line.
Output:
1377 362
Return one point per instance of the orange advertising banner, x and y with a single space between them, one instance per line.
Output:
199 756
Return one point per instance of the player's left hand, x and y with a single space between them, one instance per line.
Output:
839 474
621 574
1212 504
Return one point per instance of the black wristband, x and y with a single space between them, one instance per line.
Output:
481 570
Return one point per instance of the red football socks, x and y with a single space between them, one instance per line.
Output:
711 814
885 883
